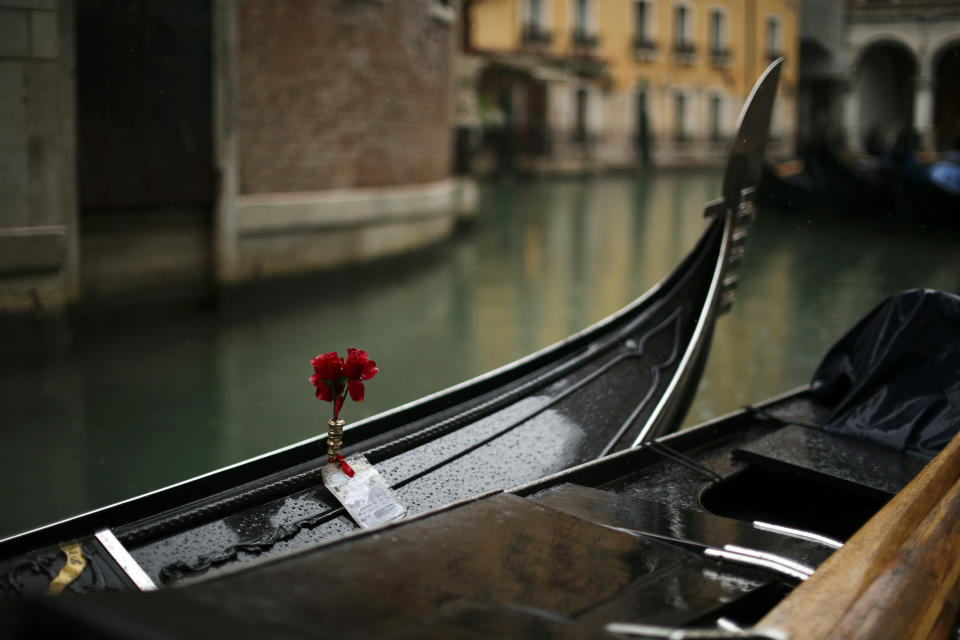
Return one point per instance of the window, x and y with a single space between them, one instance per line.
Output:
535 13
719 53
717 28
682 26
535 21
683 49
643 25
773 38
716 115
580 16
680 117
641 10
582 27
580 126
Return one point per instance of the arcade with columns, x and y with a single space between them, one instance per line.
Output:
904 70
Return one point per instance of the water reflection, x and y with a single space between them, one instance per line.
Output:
805 281
143 402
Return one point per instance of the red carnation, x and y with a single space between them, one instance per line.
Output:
358 367
327 374
332 377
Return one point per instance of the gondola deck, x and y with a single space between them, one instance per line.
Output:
675 533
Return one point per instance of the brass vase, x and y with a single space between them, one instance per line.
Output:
334 438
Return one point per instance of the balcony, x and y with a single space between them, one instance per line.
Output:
644 48
582 39
534 34
684 53
719 56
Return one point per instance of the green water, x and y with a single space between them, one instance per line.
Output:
141 402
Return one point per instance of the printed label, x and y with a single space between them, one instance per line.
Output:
366 496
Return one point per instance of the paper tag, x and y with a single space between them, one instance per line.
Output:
366 496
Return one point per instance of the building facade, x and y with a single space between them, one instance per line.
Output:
184 144
617 83
903 73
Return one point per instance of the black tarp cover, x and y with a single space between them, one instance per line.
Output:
894 378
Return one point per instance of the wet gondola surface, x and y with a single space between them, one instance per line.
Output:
547 498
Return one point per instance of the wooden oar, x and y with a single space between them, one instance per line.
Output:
896 577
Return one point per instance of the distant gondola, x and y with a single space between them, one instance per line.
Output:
882 189
786 188
609 388
848 190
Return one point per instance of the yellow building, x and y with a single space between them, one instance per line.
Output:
603 83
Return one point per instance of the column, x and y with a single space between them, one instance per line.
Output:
851 117
923 114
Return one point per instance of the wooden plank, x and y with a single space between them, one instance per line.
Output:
902 565
908 599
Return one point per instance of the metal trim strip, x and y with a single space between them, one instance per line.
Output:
126 561
798 533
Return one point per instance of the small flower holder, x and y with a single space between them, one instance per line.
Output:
355 483
334 437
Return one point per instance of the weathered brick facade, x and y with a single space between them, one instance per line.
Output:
337 94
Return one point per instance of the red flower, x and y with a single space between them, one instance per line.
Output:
327 375
332 377
358 367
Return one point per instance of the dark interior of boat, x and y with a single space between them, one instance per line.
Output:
811 503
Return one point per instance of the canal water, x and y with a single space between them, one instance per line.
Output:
146 400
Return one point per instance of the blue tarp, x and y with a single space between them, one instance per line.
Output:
946 175
894 379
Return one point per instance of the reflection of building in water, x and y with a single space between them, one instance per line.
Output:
176 143
904 72
582 84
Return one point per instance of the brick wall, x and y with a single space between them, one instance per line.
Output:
338 93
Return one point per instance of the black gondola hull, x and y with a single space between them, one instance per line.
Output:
612 387
630 377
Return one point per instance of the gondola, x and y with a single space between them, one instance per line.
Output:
851 191
882 190
787 187
924 200
622 382
765 523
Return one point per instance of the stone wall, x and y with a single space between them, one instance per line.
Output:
38 246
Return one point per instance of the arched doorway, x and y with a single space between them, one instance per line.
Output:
885 77
946 109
